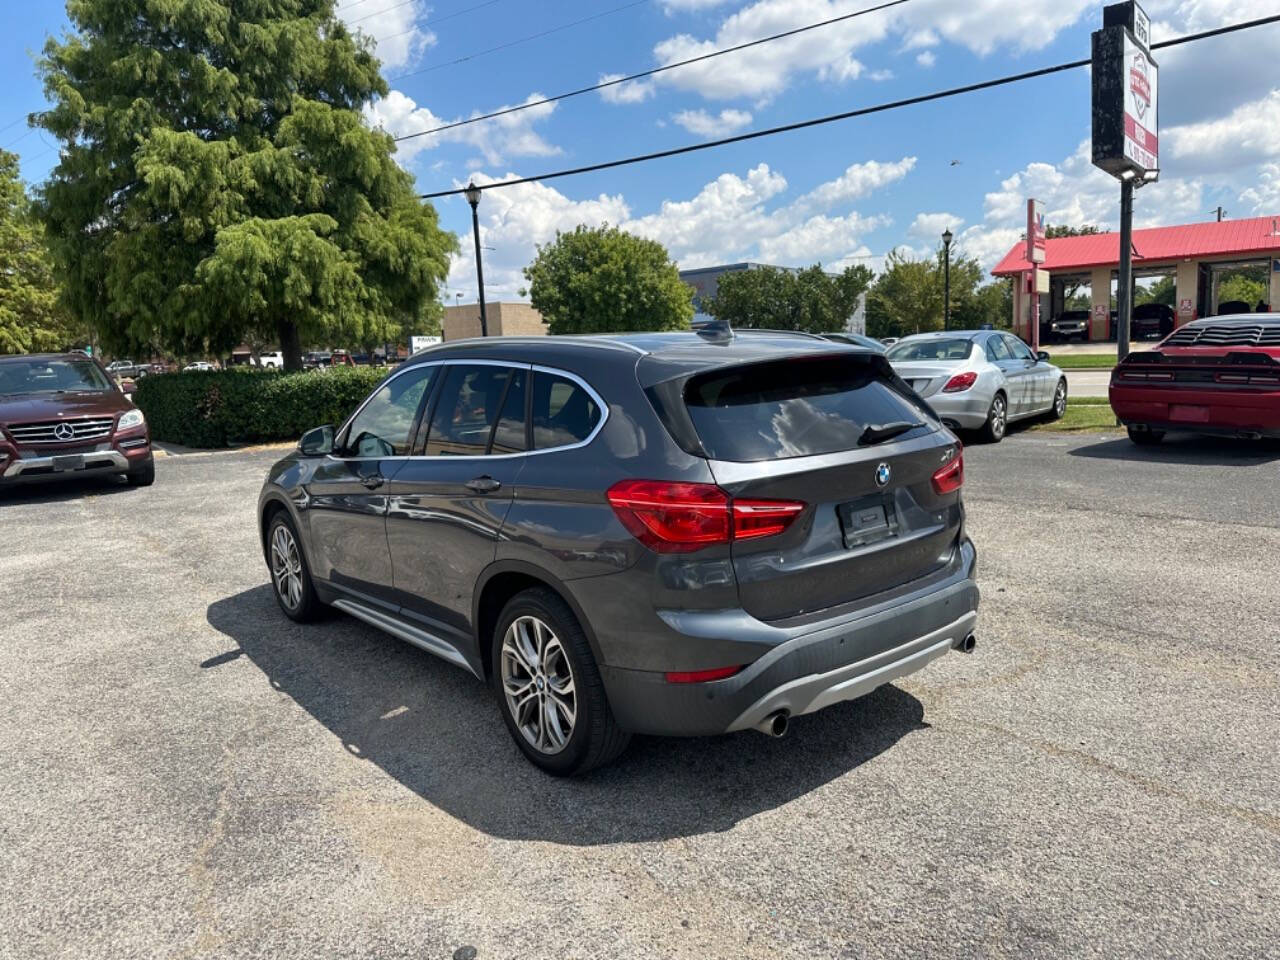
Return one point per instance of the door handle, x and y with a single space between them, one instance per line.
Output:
483 485
372 482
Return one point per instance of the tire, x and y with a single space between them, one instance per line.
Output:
1059 408
540 650
1145 437
997 419
143 476
291 581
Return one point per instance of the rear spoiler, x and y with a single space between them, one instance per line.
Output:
1247 358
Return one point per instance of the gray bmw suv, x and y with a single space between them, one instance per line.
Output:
674 534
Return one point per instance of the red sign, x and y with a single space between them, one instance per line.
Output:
1035 232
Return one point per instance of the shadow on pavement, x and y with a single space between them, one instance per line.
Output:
1186 448
60 491
436 730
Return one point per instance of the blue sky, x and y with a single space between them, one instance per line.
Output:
843 193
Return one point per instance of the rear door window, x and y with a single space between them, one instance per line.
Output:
466 410
795 408
997 350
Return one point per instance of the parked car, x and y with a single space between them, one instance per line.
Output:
708 535
272 359
340 358
127 368
857 340
888 341
1066 325
1151 320
199 365
316 359
61 416
980 379
1234 308
1219 375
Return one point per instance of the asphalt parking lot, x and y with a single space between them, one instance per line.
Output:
188 774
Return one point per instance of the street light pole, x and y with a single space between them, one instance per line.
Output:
946 279
472 194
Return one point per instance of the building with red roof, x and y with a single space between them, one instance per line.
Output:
1195 254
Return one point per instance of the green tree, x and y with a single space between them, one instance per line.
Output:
774 299
1241 286
1164 291
217 179
605 280
31 317
1056 230
908 296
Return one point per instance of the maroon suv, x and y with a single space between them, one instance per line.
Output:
62 416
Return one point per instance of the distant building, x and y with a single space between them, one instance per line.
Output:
706 281
510 319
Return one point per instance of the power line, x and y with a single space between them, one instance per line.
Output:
846 115
648 73
513 43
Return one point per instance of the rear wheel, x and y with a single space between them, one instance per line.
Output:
549 688
1060 400
997 419
1145 437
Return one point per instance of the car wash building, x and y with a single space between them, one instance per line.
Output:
1197 255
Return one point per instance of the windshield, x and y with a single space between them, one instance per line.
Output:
906 351
52 376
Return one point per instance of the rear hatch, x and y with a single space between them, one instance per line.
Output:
841 435
927 378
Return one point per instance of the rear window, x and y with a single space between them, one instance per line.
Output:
943 349
793 408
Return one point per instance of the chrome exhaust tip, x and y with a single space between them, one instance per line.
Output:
775 724
967 644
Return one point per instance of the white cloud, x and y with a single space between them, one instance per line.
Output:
679 6
1075 193
880 76
763 72
507 136
634 91
928 227
398 29
1264 198
733 217
709 125
1246 135
926 58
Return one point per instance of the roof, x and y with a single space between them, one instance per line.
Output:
1257 235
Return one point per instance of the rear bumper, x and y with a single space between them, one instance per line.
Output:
1199 411
967 410
808 668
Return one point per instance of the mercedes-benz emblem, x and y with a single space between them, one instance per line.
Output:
64 431
882 474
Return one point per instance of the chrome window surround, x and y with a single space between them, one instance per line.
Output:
460 361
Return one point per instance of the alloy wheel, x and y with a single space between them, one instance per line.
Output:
999 413
538 684
1060 401
286 566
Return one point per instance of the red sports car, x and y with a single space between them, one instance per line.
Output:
1219 375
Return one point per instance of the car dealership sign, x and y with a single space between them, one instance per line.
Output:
1125 106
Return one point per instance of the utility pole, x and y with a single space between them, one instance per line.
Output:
1221 213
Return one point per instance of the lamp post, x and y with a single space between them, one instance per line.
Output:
946 278
472 193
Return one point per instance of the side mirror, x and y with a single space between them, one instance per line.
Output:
317 442
1042 356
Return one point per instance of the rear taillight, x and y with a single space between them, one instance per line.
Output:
950 476
960 382
680 517
701 676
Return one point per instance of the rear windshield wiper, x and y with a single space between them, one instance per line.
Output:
880 432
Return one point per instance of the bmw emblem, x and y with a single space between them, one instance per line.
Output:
882 474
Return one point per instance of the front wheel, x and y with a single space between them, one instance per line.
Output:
290 578
143 476
1060 400
997 419
1145 437
549 688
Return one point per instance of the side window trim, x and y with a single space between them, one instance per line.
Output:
591 392
502 404
427 412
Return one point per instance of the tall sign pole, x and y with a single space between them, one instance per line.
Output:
1035 256
1126 140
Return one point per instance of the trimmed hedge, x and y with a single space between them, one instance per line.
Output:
248 405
